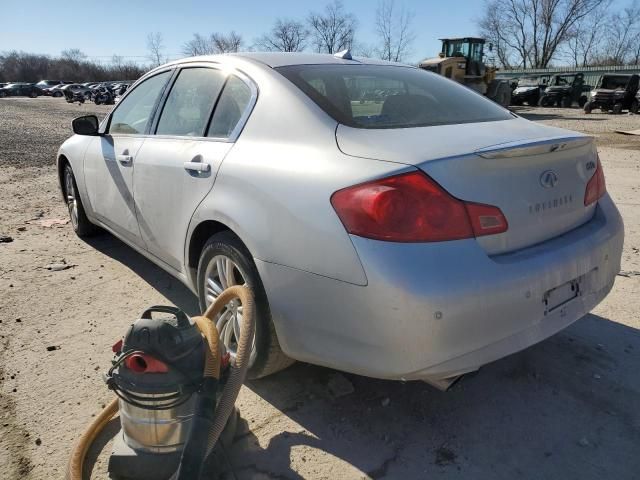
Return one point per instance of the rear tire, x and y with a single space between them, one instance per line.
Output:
269 357
79 221
617 109
546 101
33 94
634 107
57 95
588 107
582 101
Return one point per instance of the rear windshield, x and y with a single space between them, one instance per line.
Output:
378 96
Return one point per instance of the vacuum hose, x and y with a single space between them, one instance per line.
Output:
192 461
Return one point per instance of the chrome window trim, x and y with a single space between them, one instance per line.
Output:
232 138
106 122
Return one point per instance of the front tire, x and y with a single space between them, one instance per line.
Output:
617 109
634 107
79 221
224 262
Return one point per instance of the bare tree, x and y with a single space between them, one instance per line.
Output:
531 32
285 36
494 31
214 44
73 55
228 43
394 31
155 46
333 30
584 44
198 45
621 39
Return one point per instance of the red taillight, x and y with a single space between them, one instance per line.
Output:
596 187
411 207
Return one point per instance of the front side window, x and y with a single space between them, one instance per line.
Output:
380 96
190 102
134 112
234 100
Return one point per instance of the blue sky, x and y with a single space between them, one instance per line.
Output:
46 26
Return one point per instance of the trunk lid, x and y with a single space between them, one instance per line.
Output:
535 174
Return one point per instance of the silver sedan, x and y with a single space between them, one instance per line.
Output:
390 222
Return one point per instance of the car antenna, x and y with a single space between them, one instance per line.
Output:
344 54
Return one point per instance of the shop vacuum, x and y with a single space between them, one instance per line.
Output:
176 389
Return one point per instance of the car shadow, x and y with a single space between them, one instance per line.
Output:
536 115
564 408
174 290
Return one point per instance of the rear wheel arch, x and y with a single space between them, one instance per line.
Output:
201 234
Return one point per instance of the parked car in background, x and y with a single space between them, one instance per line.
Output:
76 89
564 90
19 89
416 238
42 84
55 91
529 90
614 93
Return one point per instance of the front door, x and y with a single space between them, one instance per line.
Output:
111 159
177 166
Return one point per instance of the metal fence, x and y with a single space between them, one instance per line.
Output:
591 74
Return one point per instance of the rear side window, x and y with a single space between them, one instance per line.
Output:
380 96
233 102
134 111
190 102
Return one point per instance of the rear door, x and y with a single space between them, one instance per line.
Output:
111 159
201 118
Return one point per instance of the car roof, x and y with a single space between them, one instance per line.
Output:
282 59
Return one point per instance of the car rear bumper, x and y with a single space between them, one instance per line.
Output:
435 311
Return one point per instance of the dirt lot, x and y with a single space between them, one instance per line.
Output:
566 408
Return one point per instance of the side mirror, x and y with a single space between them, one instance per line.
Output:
86 125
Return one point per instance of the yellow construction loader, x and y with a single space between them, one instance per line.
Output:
462 60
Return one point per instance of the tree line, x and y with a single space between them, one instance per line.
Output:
546 33
71 65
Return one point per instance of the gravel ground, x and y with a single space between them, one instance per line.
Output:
565 408
31 130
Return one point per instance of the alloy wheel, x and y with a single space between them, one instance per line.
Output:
72 200
222 273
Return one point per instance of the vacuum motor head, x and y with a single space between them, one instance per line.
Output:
163 355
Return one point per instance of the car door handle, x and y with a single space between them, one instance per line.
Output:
197 166
125 159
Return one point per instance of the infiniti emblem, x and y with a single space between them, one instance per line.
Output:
548 179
